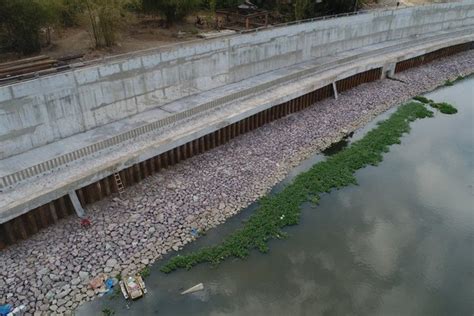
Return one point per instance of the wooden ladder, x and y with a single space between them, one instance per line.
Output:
119 183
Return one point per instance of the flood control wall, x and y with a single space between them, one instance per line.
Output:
40 111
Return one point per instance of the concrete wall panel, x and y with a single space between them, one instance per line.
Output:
40 111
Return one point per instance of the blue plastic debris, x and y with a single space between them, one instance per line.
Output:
194 232
5 309
109 283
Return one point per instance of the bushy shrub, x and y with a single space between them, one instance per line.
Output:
71 11
171 10
22 20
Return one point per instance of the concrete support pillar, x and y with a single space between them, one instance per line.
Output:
388 70
334 89
76 204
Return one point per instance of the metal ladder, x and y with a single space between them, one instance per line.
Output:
119 183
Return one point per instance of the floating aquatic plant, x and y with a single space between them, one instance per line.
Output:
444 107
283 209
145 272
422 99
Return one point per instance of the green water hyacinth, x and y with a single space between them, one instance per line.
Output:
283 209
443 107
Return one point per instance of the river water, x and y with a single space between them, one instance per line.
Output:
399 243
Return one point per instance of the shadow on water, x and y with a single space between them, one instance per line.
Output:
399 243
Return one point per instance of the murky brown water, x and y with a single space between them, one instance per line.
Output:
399 243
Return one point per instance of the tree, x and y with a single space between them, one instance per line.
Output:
171 10
22 21
339 6
71 10
51 10
301 8
105 18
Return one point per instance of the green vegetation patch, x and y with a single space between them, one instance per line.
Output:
283 209
422 99
145 272
444 107
108 312
452 82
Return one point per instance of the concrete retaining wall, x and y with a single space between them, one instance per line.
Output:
37 112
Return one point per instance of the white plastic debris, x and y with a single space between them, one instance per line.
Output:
18 311
197 287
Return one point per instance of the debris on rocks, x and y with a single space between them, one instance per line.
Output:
97 282
5 309
17 311
85 223
133 287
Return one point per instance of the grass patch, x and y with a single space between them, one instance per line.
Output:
145 272
283 209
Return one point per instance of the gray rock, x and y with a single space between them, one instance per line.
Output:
43 271
9 281
111 263
49 295
76 281
44 307
54 277
62 294
84 276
